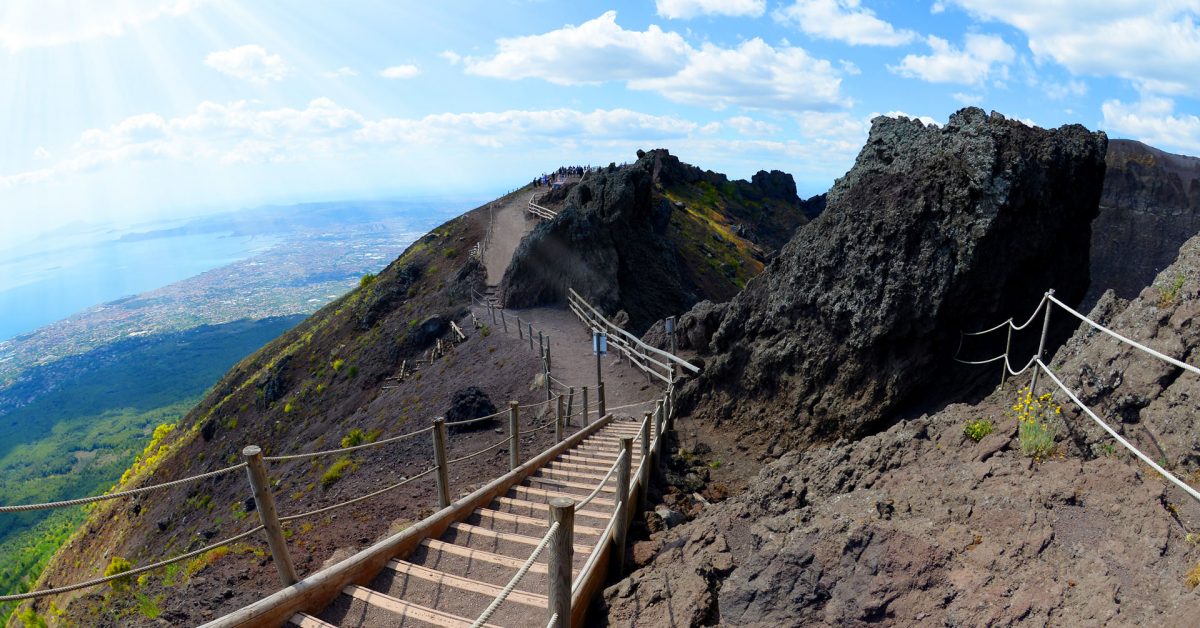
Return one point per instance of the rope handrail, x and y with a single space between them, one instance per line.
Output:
503 441
536 429
604 538
623 344
674 358
327 452
313 513
1002 356
553 621
131 572
600 486
476 419
512 584
1144 458
107 496
535 405
1166 358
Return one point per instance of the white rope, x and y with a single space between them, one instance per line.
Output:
1002 356
130 573
600 542
600 486
1163 472
313 513
1028 364
989 330
1032 317
345 449
136 491
480 452
553 621
534 405
477 419
512 584
536 429
1166 358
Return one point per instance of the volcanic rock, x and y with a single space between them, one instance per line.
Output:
471 403
933 231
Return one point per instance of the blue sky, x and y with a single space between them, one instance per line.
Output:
129 110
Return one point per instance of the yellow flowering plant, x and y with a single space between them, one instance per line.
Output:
1036 423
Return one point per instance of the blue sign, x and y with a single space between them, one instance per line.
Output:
600 343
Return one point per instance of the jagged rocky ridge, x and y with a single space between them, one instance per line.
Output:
918 525
1149 207
933 230
655 237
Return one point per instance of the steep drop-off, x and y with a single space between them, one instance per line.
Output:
1150 206
655 237
933 230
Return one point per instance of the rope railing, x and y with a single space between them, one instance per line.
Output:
476 419
107 496
131 573
600 485
340 450
1050 299
313 513
498 445
512 583
634 339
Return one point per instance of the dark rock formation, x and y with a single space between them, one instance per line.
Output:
621 241
933 231
470 403
919 525
379 298
1150 206
427 332
694 330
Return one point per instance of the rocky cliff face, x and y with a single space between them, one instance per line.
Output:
931 232
920 526
655 237
1150 206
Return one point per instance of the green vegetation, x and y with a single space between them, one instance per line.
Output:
337 365
148 606
977 429
118 565
356 437
334 473
77 439
1035 423
1170 294
366 281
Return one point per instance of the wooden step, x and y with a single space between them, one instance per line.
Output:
480 555
308 621
571 474
500 515
407 610
583 486
586 470
524 503
466 584
540 492
524 539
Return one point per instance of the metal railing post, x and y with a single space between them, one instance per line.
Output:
558 419
658 437
267 515
600 401
559 562
443 468
1004 362
621 530
1042 342
644 465
585 407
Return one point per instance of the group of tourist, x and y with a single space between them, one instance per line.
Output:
558 177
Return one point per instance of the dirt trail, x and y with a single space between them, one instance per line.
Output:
511 223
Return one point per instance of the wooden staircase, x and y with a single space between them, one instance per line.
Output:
450 580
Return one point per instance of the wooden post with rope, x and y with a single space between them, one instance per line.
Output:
621 530
514 435
264 501
443 467
560 559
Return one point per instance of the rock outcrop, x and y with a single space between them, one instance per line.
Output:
1150 206
655 237
933 231
920 525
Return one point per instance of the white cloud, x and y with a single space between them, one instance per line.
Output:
967 99
754 76
250 62
746 125
596 51
406 71
937 7
41 154
1153 120
1073 88
981 57
45 23
1154 44
843 20
342 72
687 9
451 57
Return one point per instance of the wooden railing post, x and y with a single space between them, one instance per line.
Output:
585 407
541 344
558 419
264 501
514 435
520 332
570 403
546 375
443 468
644 465
621 530
560 560
504 321
492 309
530 336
